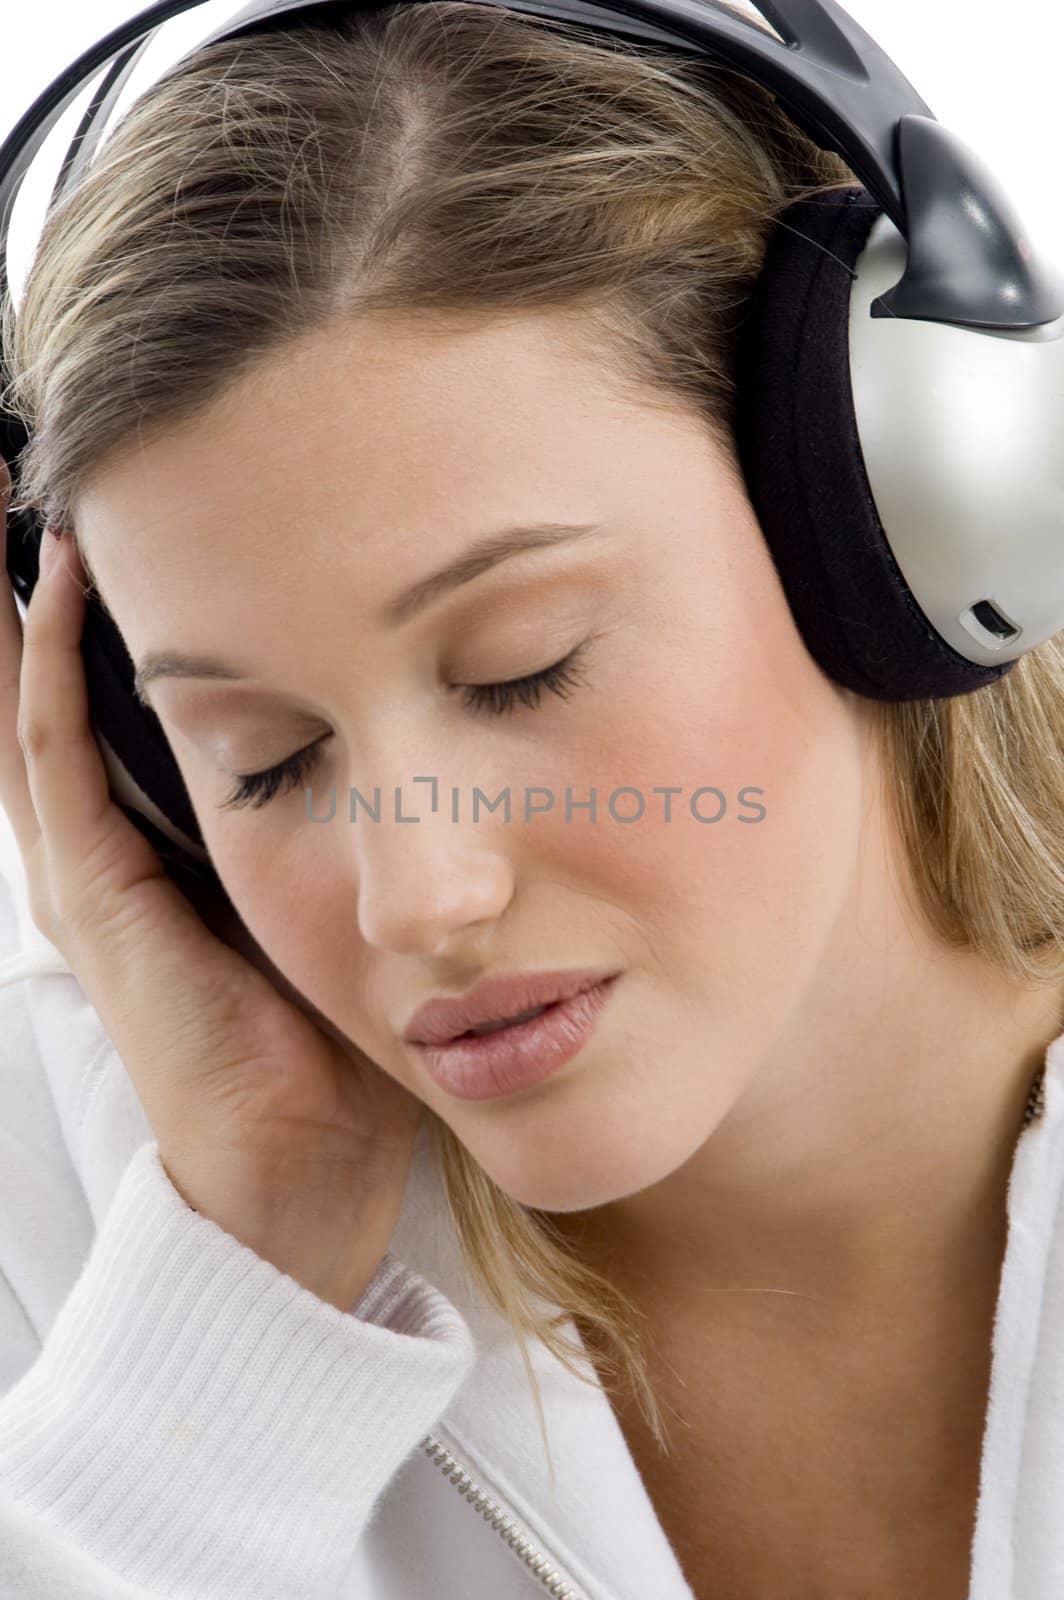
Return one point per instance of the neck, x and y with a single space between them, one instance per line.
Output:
862 1176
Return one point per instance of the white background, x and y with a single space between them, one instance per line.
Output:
991 70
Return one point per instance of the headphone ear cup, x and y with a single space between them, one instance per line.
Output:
798 445
141 768
142 774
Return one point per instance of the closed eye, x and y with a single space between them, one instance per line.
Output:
257 789
498 698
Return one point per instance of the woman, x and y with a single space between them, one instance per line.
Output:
329 311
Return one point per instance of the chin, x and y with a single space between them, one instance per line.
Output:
583 1172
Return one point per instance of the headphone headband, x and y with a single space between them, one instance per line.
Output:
967 263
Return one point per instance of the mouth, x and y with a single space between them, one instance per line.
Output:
505 1022
506 1055
500 1004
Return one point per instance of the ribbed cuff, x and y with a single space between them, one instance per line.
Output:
202 1424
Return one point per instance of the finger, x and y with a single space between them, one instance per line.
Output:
65 771
15 794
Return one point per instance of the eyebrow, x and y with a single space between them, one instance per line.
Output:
487 552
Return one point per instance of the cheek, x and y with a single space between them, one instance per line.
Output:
746 900
300 908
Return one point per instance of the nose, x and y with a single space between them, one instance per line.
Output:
425 884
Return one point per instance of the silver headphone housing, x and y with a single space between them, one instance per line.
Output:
974 472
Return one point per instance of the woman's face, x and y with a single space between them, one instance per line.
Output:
272 532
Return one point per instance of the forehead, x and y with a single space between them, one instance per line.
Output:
384 445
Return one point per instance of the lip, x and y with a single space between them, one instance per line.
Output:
439 1020
518 1057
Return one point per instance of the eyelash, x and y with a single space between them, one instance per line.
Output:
257 789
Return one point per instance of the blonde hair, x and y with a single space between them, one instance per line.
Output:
460 158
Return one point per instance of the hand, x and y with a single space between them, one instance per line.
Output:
275 1126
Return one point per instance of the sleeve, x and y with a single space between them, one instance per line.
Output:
178 1417
197 1423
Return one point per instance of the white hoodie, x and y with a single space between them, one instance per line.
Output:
179 1418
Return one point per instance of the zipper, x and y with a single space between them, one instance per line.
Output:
496 1517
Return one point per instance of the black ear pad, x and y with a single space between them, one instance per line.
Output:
797 442
132 729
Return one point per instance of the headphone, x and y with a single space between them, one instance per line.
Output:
899 374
